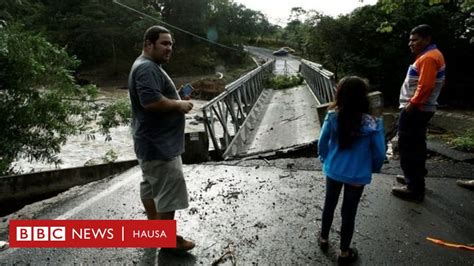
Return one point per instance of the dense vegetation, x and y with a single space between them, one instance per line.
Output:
39 103
46 45
373 42
106 36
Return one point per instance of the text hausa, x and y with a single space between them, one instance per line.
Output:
149 234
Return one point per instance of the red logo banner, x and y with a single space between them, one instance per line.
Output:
92 233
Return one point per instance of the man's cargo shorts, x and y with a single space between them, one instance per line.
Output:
163 181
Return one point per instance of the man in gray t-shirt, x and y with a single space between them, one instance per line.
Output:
157 135
158 130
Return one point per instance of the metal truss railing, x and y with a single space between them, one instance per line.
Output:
320 80
224 115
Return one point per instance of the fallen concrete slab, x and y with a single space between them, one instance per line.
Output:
18 190
290 120
439 147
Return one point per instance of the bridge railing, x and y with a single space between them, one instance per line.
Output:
224 115
321 81
323 84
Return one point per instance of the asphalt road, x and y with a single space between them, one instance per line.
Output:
268 212
284 65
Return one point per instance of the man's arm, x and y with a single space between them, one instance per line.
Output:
427 69
165 105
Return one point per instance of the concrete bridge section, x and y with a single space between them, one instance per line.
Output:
289 121
18 190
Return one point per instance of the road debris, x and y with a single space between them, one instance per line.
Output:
284 121
229 253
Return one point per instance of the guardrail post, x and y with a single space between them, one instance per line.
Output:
323 85
322 110
376 103
197 147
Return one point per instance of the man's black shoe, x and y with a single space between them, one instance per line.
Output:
404 193
401 179
469 184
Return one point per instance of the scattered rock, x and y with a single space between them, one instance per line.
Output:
260 225
193 211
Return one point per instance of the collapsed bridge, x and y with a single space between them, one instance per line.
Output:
248 119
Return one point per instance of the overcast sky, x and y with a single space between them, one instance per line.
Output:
278 11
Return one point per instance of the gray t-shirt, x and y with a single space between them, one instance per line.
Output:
156 135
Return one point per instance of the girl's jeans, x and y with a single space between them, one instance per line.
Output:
350 203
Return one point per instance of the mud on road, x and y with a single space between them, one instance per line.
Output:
268 212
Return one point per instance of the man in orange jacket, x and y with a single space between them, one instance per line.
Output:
418 101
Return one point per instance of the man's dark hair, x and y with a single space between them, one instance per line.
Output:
153 33
423 30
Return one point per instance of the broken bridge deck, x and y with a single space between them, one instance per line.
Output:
289 120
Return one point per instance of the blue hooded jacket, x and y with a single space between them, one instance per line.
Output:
356 164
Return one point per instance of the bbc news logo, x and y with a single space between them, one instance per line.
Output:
55 233
92 233
41 233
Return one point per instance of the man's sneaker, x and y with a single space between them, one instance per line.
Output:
183 244
401 179
469 184
404 193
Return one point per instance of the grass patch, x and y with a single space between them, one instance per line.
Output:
284 82
464 142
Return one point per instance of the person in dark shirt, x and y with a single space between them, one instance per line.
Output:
158 120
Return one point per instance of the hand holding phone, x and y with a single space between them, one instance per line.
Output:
185 91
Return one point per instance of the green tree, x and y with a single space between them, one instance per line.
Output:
93 30
40 105
235 23
329 43
188 15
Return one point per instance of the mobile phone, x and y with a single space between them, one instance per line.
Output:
186 90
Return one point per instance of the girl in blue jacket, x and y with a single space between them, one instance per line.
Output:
351 147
